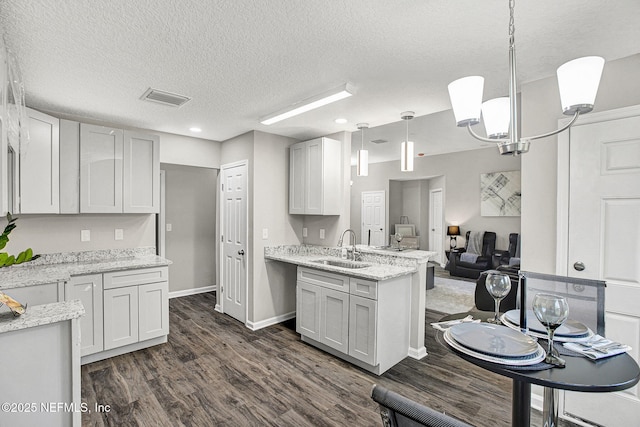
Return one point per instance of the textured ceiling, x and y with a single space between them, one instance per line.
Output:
242 59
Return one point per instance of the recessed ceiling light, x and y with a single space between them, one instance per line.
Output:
194 129
340 121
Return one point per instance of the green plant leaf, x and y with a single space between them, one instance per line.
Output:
10 261
21 257
28 254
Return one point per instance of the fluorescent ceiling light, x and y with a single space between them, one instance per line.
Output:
194 129
340 121
333 95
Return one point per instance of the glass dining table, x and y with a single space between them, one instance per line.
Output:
580 374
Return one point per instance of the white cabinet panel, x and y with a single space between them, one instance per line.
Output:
297 178
36 295
362 329
120 279
39 166
153 314
101 150
88 289
315 177
334 319
69 167
308 310
120 317
141 173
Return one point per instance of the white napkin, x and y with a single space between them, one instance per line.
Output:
597 347
443 326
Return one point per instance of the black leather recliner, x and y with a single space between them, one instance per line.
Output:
472 270
512 256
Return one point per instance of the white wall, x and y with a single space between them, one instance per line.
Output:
541 110
47 234
274 283
461 179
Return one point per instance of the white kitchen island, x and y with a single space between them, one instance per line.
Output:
371 315
40 361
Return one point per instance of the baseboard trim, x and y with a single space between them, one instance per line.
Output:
194 291
218 308
418 353
254 326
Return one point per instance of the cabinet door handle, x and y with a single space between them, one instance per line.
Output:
241 252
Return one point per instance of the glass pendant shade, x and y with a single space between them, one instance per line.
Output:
578 81
362 164
466 99
406 156
496 117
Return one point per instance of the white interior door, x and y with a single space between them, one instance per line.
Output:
373 218
604 235
234 240
435 223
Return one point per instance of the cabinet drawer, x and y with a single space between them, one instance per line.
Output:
363 288
119 279
324 279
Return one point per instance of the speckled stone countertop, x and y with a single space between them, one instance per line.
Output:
40 315
60 267
381 265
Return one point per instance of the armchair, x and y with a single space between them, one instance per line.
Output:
510 257
472 270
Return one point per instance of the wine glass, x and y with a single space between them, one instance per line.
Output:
551 311
498 285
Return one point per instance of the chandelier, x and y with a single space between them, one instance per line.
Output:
578 81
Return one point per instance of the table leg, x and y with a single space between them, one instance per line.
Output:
521 404
550 407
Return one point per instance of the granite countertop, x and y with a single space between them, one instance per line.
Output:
41 315
60 267
382 265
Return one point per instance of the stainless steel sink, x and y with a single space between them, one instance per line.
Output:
342 263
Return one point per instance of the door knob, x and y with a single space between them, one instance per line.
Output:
241 252
578 265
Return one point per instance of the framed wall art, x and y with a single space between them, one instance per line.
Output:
500 193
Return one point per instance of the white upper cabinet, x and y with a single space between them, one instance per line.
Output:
315 177
119 171
39 166
141 173
101 151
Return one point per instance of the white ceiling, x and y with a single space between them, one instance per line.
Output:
242 59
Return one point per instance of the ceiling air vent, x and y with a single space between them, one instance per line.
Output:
166 98
379 141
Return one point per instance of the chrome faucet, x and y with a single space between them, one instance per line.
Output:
353 234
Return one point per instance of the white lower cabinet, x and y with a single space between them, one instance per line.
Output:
308 310
124 310
363 329
363 321
136 306
334 319
120 317
88 289
153 310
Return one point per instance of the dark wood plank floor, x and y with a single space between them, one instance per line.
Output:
216 372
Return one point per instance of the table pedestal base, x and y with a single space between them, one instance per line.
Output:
550 408
521 404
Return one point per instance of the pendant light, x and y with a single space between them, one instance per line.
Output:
578 82
406 149
362 162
